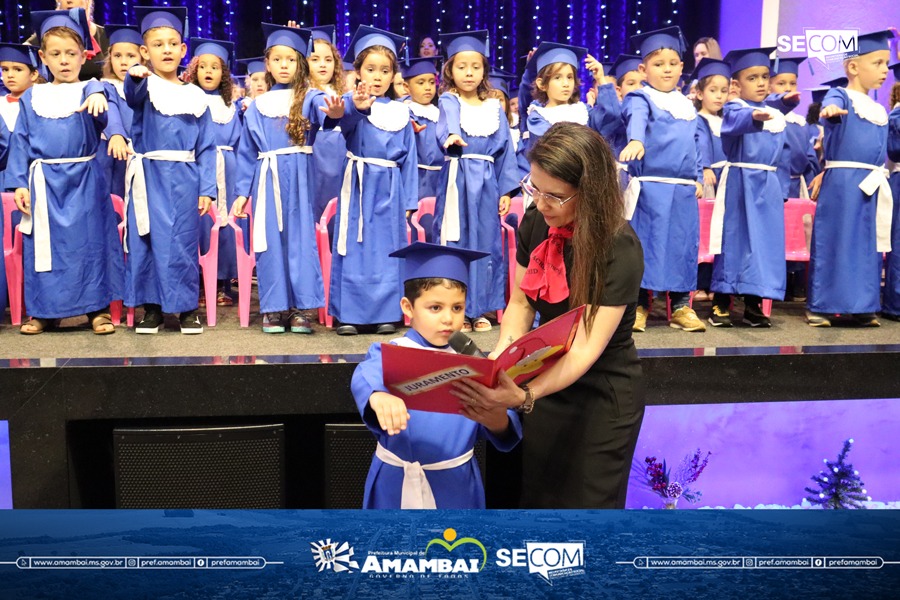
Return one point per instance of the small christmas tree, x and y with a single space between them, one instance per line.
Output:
839 485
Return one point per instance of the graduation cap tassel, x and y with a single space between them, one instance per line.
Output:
777 63
811 72
487 46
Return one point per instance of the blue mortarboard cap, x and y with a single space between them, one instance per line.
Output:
669 37
366 37
782 66
548 53
818 93
464 41
224 50
895 69
20 53
323 32
419 66
253 65
711 66
74 19
837 82
150 17
123 34
500 80
292 37
348 66
624 64
422 260
749 57
873 42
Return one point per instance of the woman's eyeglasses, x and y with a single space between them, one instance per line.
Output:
534 193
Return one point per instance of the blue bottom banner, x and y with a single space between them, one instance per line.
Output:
449 554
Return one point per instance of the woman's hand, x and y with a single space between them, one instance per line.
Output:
506 395
390 411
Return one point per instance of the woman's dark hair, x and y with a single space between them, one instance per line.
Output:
579 156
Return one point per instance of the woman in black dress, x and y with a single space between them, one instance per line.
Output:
583 415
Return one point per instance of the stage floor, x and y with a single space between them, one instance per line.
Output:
74 339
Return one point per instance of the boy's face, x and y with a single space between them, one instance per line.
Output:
753 83
63 58
871 69
785 83
256 84
164 50
17 77
437 313
422 88
663 69
631 81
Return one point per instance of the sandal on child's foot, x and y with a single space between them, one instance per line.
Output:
223 299
467 326
101 323
34 326
481 324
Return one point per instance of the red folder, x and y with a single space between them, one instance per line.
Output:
422 378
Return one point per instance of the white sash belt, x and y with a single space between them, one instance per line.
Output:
450 228
430 167
39 220
719 165
633 191
136 184
346 189
270 163
717 222
875 182
416 489
221 191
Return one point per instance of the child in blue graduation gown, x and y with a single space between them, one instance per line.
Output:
799 164
747 229
326 73
852 226
171 178
72 257
891 299
479 172
124 52
212 73
275 167
380 186
409 442
664 162
420 75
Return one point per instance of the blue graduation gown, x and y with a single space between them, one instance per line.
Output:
481 183
752 258
162 267
709 142
87 264
289 272
607 120
114 170
9 112
540 119
666 218
798 157
428 148
891 300
328 155
365 283
845 267
227 128
428 438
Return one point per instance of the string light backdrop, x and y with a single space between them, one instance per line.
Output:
515 26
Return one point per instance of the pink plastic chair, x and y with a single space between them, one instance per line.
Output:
12 260
426 207
324 245
516 207
209 266
245 263
796 247
705 206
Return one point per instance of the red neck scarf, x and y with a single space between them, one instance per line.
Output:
545 276
94 50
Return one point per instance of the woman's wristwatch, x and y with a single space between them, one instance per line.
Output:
528 405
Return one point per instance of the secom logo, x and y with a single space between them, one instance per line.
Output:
827 45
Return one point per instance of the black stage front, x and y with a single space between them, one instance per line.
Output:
62 411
